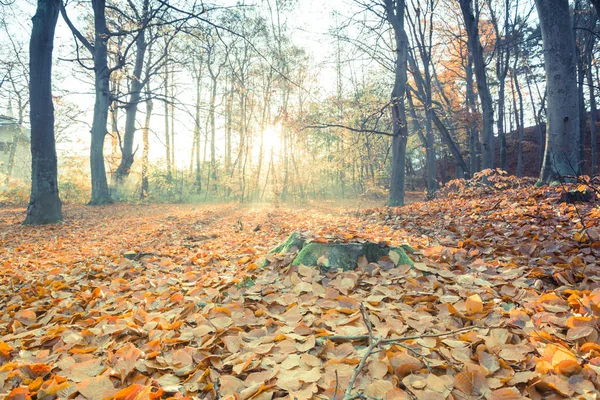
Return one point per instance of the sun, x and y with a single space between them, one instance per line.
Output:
271 138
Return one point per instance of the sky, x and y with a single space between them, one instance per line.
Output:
309 23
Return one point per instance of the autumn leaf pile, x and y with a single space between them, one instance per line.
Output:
141 302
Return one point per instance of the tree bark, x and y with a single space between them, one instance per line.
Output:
127 153
471 25
561 156
44 204
594 140
196 140
146 149
474 161
167 135
395 15
521 123
100 193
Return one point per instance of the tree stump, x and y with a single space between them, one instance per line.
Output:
574 196
345 256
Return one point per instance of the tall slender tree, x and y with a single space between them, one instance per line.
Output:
471 20
99 52
395 15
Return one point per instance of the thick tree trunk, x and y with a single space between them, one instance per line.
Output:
471 25
395 15
44 204
100 193
561 156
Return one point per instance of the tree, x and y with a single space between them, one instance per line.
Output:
44 204
99 54
136 86
98 49
561 157
422 36
471 21
395 15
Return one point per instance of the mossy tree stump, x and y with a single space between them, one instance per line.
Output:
345 256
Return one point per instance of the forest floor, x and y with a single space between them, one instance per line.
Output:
157 301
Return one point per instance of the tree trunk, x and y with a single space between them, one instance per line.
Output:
474 164
561 156
594 143
500 122
137 85
146 150
44 204
213 132
471 25
100 193
196 140
173 166
521 124
395 15
582 115
228 129
167 135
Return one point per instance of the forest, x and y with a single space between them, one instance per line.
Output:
299 199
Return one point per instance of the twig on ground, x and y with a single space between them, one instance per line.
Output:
342 338
374 342
365 317
359 367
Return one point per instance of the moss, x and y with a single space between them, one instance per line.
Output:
338 255
346 255
294 242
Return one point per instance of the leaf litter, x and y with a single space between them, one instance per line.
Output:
143 302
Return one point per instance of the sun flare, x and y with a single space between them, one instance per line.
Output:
271 137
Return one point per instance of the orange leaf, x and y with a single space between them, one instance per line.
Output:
474 304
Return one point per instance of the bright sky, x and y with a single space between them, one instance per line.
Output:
309 24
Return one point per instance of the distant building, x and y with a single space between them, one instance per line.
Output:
15 153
